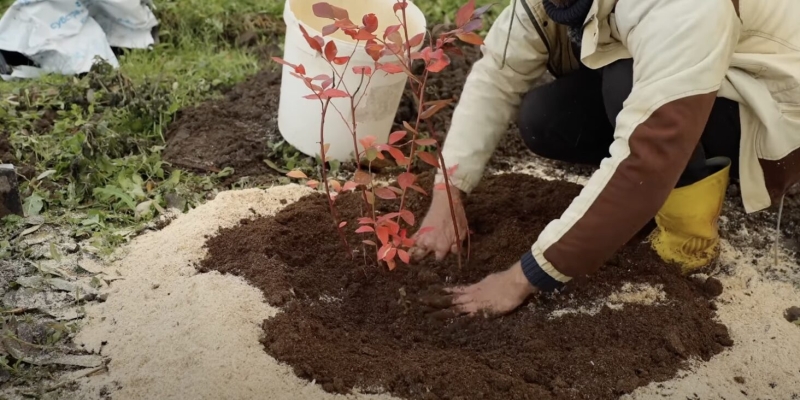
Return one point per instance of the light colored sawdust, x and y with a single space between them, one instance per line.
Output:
766 351
172 333
629 293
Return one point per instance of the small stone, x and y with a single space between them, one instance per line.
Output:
156 286
739 379
102 297
792 314
713 287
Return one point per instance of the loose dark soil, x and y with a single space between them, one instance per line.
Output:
230 132
350 324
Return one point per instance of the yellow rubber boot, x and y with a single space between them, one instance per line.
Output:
687 231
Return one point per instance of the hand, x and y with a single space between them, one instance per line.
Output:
442 239
497 294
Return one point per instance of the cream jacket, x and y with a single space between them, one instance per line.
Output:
686 52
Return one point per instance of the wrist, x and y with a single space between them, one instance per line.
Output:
520 281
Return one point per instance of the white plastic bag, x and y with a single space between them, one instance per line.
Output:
65 36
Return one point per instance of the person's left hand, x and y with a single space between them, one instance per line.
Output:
497 294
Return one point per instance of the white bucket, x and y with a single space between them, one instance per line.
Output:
299 119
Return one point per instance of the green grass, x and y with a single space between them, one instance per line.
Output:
98 166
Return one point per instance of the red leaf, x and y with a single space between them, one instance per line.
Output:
374 49
313 96
312 42
349 185
312 184
390 68
394 228
426 142
362 34
331 51
362 178
429 158
435 106
283 62
329 29
325 10
471 38
395 137
400 6
396 190
365 220
440 63
481 11
342 224
384 251
365 229
418 189
370 22
416 40
407 216
362 70
406 179
391 29
385 193
409 127
300 69
464 14
383 234
341 60
334 93
425 230
452 170
384 218
474 25
297 174
335 185
403 256
369 242
345 24
391 264
398 156
327 83
368 141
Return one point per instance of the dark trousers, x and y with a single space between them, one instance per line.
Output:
572 119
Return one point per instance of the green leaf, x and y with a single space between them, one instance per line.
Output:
112 192
33 205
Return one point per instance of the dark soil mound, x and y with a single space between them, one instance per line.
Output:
230 132
349 324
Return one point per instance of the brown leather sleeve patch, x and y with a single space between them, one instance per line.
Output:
660 149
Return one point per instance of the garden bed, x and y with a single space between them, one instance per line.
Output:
352 324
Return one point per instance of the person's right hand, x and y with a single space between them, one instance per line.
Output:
438 235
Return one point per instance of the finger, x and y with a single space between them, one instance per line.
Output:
418 253
455 248
470 308
462 299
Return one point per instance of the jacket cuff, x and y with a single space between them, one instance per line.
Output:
537 276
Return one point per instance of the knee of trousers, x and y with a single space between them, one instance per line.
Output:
534 122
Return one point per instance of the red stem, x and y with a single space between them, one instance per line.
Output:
334 214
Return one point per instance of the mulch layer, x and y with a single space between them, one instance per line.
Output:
350 324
